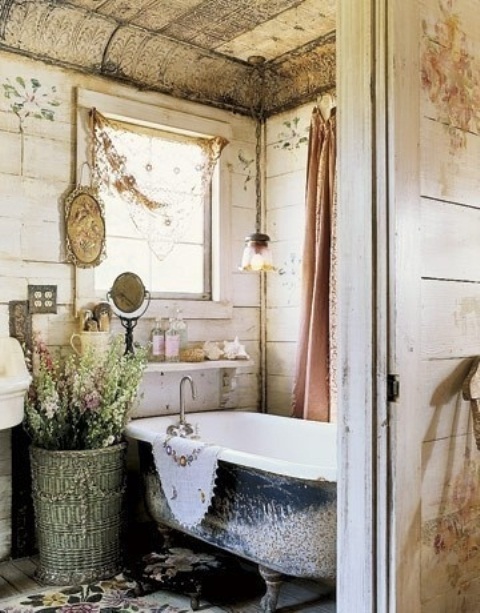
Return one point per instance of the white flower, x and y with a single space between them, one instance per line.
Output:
50 408
109 441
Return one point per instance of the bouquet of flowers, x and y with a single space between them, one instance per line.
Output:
82 402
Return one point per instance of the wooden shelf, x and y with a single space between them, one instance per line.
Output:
188 366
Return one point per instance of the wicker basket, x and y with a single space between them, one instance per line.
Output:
78 499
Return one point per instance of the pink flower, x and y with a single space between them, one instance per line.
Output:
92 400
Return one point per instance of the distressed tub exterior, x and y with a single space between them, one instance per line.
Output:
275 500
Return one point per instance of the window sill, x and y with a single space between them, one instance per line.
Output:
191 309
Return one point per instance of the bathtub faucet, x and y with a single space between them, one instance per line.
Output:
183 428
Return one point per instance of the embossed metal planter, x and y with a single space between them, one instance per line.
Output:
78 499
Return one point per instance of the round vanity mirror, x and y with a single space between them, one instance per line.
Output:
128 292
129 295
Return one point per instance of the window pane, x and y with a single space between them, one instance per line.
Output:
182 272
153 185
122 255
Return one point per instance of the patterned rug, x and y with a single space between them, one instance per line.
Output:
117 595
177 579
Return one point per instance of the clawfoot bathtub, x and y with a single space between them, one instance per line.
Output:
275 495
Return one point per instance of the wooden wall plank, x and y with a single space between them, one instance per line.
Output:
442 463
279 394
10 164
450 319
450 183
281 358
442 411
448 601
287 224
246 289
286 191
450 229
286 139
449 174
31 216
282 324
284 287
450 520
11 248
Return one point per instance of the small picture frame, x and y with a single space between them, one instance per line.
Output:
85 227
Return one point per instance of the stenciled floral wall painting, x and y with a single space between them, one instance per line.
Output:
289 273
28 98
247 164
452 540
451 75
294 136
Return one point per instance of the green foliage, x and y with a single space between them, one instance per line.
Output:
82 402
28 100
294 138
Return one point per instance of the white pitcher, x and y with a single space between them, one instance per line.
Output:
98 341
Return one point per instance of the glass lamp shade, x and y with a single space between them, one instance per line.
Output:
256 254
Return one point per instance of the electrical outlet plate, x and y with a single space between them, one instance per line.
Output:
42 298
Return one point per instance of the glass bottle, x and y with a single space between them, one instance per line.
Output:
172 343
157 337
181 327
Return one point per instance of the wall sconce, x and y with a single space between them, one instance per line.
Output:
257 254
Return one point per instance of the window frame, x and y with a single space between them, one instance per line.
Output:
166 118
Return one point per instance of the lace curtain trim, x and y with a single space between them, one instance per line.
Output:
162 178
118 174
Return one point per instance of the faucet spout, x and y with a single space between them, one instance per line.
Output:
193 389
183 428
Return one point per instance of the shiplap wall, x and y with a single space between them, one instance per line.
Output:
37 169
286 154
450 299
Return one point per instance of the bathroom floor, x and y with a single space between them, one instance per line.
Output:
17 578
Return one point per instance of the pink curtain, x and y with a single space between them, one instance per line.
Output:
311 391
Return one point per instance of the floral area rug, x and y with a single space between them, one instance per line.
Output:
116 595
216 577
168 580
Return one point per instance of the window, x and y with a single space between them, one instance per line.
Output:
164 188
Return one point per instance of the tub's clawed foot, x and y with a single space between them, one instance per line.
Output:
167 535
273 581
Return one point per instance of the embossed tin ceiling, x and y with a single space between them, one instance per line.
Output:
194 49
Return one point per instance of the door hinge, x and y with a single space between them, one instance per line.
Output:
393 388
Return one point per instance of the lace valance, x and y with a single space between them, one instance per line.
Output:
162 177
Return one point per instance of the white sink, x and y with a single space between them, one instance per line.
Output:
14 382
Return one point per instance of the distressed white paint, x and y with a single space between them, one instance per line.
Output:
426 421
10 164
404 324
449 174
434 323
450 318
360 342
450 228
286 153
32 189
443 412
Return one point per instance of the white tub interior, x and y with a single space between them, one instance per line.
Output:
281 445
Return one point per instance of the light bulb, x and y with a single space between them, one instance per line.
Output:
256 263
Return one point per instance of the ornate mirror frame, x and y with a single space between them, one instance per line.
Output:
84 227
